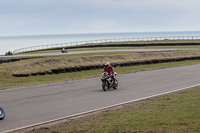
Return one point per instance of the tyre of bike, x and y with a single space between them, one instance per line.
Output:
2 114
105 85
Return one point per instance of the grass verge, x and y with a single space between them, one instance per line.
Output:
178 112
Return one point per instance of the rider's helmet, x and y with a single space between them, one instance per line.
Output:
107 64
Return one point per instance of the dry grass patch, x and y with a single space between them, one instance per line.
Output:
52 62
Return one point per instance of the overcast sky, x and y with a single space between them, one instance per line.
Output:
22 17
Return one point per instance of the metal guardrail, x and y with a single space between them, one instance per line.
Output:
34 48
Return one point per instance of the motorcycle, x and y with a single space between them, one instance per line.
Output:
107 81
64 51
2 114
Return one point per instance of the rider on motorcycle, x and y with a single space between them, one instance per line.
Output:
110 70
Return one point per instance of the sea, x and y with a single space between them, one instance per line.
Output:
14 42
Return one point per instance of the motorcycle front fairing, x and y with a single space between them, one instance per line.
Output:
105 76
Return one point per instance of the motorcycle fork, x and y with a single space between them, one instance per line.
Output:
109 81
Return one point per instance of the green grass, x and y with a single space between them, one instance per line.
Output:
174 113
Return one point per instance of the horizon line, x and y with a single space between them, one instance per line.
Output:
48 34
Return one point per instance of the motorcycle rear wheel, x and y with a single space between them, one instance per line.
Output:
2 114
116 84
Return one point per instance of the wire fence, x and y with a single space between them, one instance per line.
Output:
115 40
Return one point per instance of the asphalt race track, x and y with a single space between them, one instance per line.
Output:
96 51
37 104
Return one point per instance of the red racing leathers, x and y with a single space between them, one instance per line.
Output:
110 71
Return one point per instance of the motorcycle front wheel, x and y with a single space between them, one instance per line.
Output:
2 114
105 86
